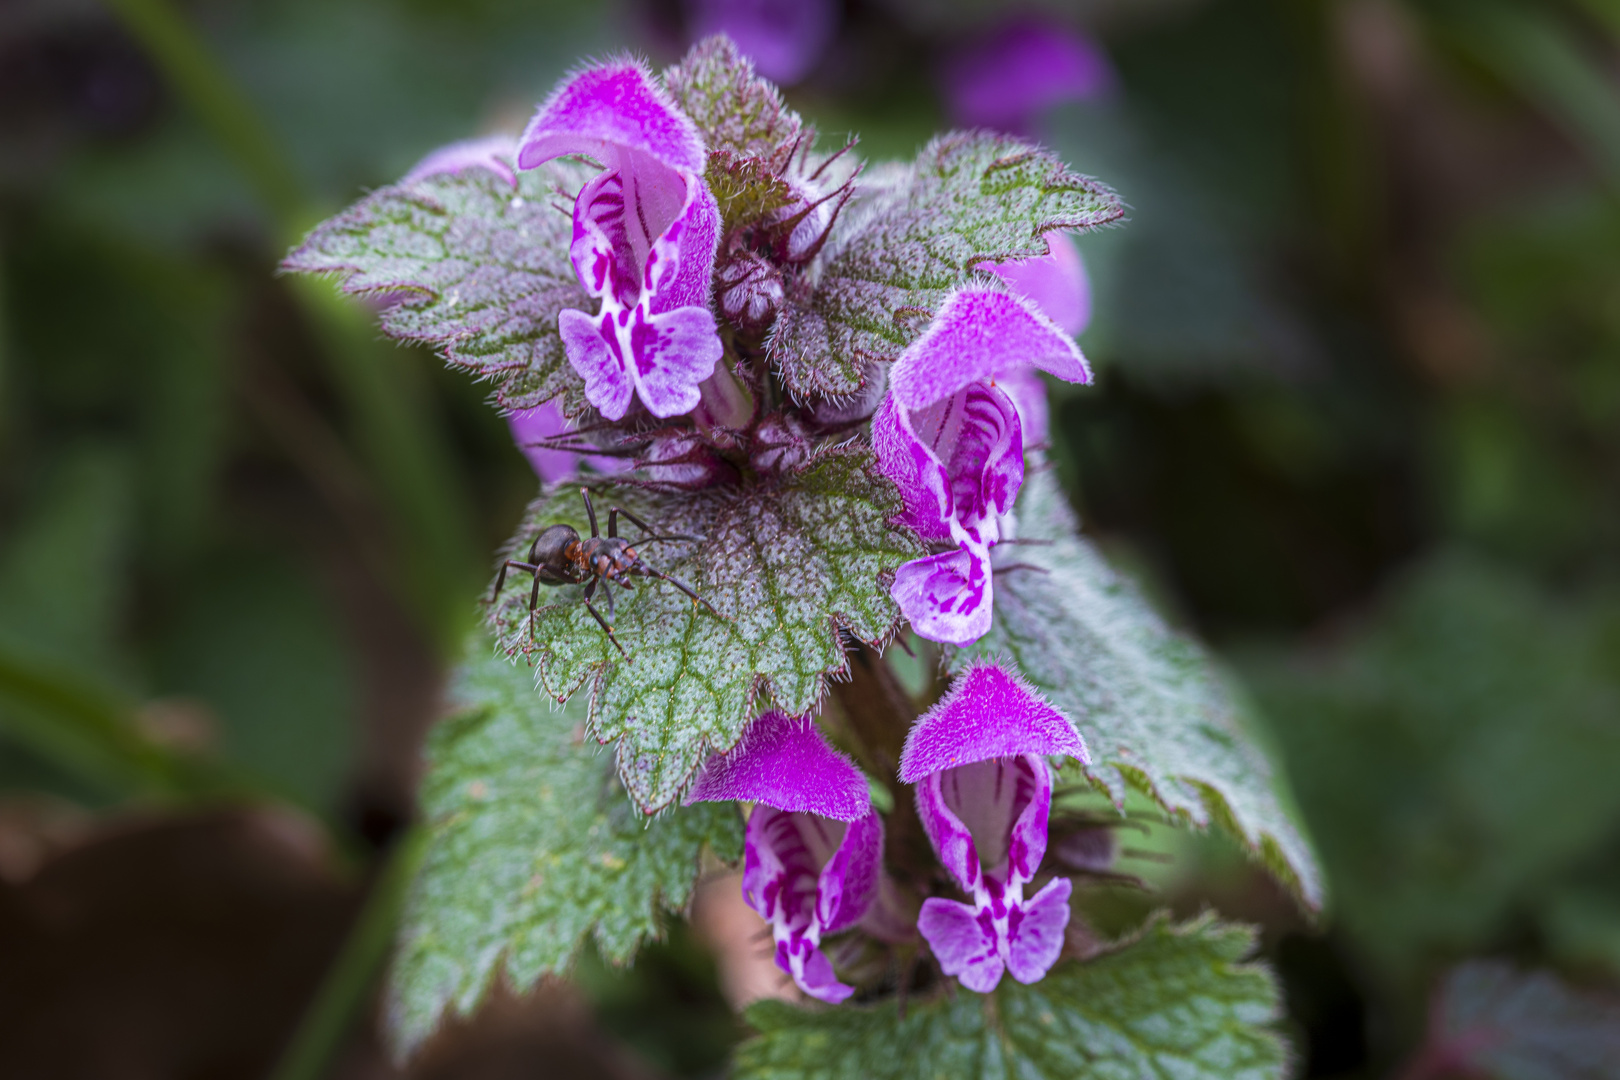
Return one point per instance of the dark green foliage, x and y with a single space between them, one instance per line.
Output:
1178 1002
1453 756
1504 1024
533 847
1155 712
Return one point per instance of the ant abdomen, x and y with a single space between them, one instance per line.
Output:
551 547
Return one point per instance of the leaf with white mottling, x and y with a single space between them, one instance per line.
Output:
790 562
1155 713
467 264
906 240
532 847
1178 1003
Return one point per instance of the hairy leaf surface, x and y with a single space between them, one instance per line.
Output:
466 263
532 847
789 562
908 239
1178 1002
740 114
1154 712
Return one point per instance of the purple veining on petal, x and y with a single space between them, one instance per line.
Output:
1005 79
530 426
785 762
984 796
784 38
951 439
646 230
494 152
946 597
809 876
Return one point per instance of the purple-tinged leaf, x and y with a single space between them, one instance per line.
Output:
910 237
791 562
473 268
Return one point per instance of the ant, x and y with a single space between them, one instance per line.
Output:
559 556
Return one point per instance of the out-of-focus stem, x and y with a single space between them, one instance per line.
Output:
218 103
347 986
404 449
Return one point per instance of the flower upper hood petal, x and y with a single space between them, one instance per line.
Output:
785 762
607 110
989 712
978 335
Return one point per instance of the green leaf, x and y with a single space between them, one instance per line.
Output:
1494 1021
532 846
1154 712
790 562
1175 1003
1454 757
477 269
909 238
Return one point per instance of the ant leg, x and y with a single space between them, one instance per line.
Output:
679 584
603 623
590 511
500 579
649 530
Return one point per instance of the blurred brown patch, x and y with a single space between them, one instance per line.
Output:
176 947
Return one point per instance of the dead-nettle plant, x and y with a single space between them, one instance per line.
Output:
791 405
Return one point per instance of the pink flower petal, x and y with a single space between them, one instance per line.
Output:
989 712
610 108
978 335
785 762
946 597
494 152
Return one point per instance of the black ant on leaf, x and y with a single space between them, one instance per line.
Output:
559 556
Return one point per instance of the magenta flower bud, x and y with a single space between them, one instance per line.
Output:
813 850
646 230
951 438
1005 79
984 793
538 431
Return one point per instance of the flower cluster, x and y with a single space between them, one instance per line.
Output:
814 848
821 390
963 403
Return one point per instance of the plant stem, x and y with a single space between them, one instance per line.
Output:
880 713
349 980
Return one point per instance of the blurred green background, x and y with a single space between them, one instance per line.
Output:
1357 423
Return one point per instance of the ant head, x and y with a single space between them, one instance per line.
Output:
551 547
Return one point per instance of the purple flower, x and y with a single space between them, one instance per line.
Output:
533 428
951 438
1005 79
984 793
784 38
645 233
1058 285
493 152
813 855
